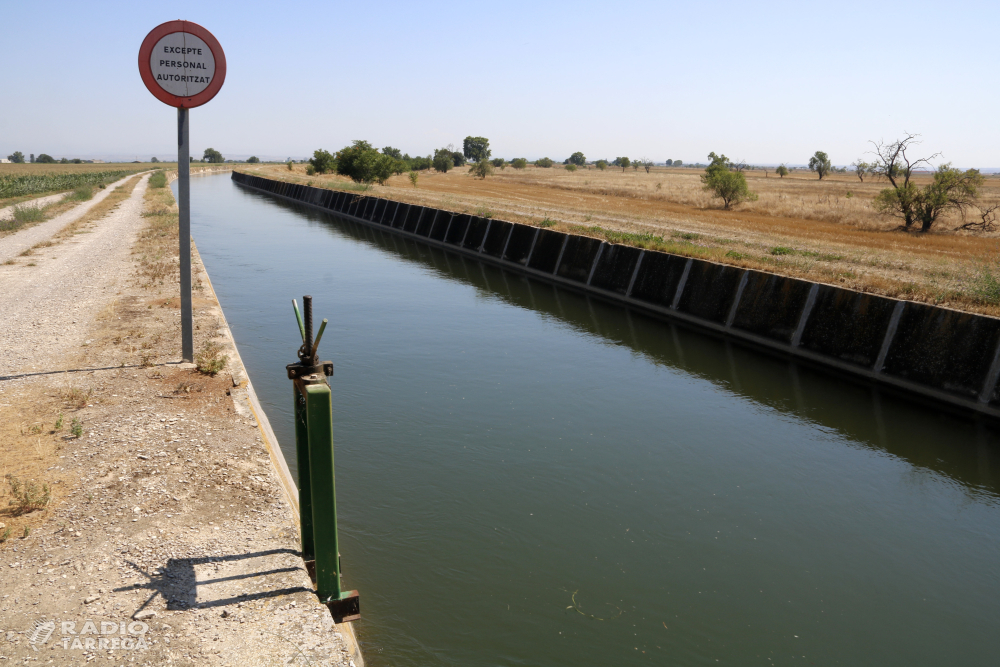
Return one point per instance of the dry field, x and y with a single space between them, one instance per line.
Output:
799 226
44 169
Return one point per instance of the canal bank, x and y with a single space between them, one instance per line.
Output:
537 476
169 515
945 356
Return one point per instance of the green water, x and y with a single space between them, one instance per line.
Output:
530 477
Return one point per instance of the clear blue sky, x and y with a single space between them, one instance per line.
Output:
767 82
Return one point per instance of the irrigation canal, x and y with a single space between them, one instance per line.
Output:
530 477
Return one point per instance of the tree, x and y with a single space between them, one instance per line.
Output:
253 159
669 162
519 163
781 171
443 160
578 159
413 178
476 149
392 152
951 189
646 163
729 186
45 158
155 159
500 163
17 157
601 164
363 164
622 162
482 169
863 169
322 161
544 162
212 155
678 163
820 163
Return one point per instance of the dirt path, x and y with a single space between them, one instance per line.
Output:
14 244
8 211
166 520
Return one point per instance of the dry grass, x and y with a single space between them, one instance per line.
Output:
32 437
799 226
156 246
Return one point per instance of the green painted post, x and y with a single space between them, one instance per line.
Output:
317 488
319 408
305 488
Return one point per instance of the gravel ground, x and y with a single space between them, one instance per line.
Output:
13 245
168 522
8 211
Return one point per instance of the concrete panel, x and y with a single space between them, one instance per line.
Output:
942 348
401 215
426 221
477 230
440 225
615 267
370 208
379 210
413 215
658 278
390 211
459 225
847 325
771 305
710 290
497 238
356 202
578 258
342 202
519 243
546 252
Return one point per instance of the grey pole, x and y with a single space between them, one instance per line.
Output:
184 215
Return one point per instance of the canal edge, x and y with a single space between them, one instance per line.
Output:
241 379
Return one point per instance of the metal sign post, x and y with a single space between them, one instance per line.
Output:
183 65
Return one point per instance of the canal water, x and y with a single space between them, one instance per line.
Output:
527 476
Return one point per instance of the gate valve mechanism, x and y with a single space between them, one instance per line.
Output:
308 359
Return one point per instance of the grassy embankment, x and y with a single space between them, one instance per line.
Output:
825 231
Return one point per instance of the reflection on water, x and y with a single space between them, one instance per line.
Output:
962 448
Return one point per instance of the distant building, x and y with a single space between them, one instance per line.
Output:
4 160
96 161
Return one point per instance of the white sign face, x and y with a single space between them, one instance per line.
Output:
182 64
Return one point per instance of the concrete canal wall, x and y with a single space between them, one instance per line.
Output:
945 355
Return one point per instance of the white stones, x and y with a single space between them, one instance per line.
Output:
145 613
90 599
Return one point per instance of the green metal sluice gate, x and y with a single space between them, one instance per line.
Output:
313 412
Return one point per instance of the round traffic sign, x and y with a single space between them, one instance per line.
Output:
182 64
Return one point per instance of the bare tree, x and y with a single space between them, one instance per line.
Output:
950 189
987 219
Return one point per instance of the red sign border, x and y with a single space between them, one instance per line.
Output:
145 70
